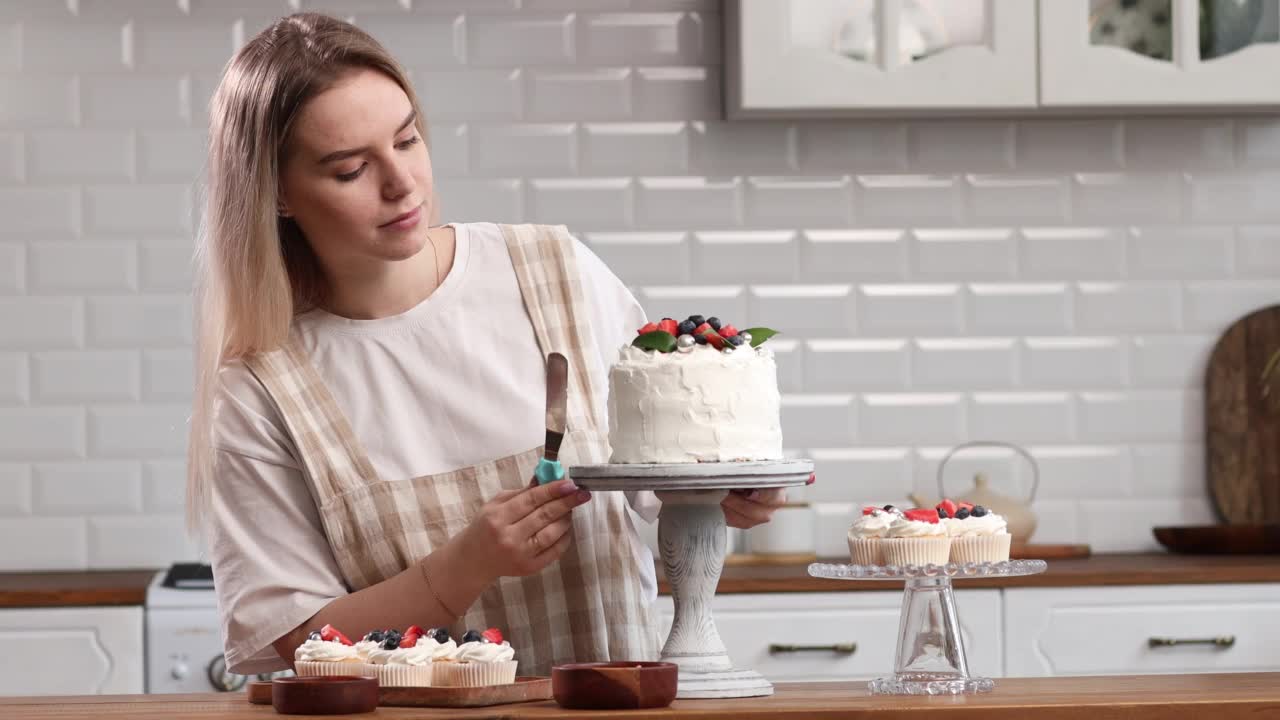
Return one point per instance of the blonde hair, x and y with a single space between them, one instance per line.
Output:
254 269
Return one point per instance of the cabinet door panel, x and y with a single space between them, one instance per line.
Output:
72 651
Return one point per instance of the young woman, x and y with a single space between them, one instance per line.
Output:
371 386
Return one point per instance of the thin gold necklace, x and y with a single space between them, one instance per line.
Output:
435 259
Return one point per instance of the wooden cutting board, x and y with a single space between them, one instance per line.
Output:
1242 420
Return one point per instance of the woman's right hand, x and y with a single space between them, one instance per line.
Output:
519 532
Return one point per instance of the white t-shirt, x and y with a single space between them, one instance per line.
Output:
456 381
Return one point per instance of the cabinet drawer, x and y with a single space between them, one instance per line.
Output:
1088 631
95 650
749 624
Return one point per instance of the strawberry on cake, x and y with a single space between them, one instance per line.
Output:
917 538
483 658
977 534
328 652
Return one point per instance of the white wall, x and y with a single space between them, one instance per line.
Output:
1055 283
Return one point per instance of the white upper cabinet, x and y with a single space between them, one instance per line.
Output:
1159 53
867 57
832 58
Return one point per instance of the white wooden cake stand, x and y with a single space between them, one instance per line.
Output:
691 536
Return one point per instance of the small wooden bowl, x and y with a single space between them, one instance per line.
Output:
614 685
324 695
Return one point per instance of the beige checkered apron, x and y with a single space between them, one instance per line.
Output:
589 605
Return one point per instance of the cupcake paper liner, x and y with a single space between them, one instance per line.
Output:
866 551
917 551
405 675
305 668
475 674
980 548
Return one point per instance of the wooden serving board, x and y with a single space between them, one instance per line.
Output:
1242 420
524 689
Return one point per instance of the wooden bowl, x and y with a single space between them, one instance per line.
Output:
614 685
324 695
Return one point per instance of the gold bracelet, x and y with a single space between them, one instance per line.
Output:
433 592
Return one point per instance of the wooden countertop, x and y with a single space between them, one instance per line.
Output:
1139 697
64 589
1098 570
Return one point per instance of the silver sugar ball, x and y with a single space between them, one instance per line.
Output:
746 337
686 343
729 350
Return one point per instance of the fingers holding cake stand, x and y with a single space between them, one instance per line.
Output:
691 537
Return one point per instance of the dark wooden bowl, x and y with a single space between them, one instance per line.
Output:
614 685
324 695
1221 539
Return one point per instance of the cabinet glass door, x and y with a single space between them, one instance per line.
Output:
849 57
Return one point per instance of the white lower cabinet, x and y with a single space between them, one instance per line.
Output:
750 623
1142 630
72 651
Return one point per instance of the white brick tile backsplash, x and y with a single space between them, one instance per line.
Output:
40 323
1073 253
907 199
12 160
640 258
1119 307
170 155
963 363
580 94
861 474
1169 470
10 46
1057 521
960 145
1177 143
677 93
1006 471
119 431
13 268
825 147
482 201
448 149
427 42
471 95
725 301
791 201
843 365
734 256
132 209
80 46
721 148
1094 471
1089 145
161 45
164 486
525 40
804 310
139 321
164 266
885 309
1021 417
1185 252
1074 362
1174 361
82 267
47 544
817 420
46 211
1258 251
587 203
849 254
71 375
471 6
635 148
152 99
1009 198
63 155
911 418
137 541
1142 414
168 374
87 488
1223 197
1211 307
27 10
1258 142
52 433
689 202
15 489
1126 197
1110 527
39 100
14 378
350 8
650 38
1019 308
973 253
831 526
790 360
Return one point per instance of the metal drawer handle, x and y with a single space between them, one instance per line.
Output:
1224 641
838 648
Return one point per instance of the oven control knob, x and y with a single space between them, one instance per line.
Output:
179 671
220 679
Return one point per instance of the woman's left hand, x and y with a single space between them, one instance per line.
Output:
748 508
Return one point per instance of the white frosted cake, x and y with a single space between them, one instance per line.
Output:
687 392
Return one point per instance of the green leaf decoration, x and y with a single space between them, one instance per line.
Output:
759 335
659 340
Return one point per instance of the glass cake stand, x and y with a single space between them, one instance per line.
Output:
691 538
930 659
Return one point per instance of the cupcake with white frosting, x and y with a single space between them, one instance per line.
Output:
407 659
916 538
866 533
481 659
328 652
977 534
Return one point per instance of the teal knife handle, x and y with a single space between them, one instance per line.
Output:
548 471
